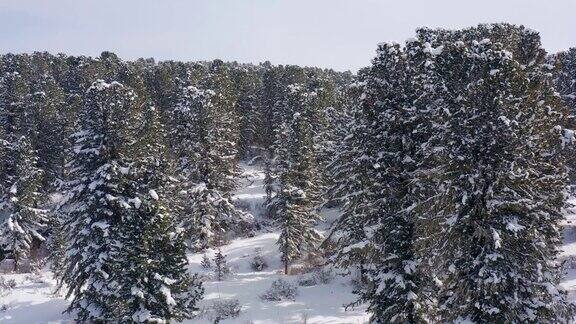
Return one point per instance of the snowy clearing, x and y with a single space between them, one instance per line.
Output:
33 301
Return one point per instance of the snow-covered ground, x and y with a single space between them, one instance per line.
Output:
33 301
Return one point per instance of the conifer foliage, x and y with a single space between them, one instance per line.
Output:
122 240
21 215
295 187
221 269
134 162
497 209
564 71
207 162
152 250
449 159
457 224
97 201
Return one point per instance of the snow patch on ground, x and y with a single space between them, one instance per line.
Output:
318 304
32 300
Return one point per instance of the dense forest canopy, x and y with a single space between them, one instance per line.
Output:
450 158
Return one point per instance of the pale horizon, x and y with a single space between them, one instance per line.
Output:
341 35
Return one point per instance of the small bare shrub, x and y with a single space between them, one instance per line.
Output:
221 309
319 276
280 290
258 263
7 284
324 276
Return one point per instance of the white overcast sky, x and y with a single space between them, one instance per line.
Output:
326 33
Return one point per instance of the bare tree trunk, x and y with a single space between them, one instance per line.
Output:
15 257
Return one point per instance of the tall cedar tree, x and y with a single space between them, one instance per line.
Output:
295 193
21 215
97 202
564 69
496 180
207 159
377 227
249 88
221 269
20 204
53 119
152 276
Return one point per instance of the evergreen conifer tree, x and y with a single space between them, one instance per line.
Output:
377 228
221 269
20 204
20 200
207 162
97 201
492 211
152 264
295 193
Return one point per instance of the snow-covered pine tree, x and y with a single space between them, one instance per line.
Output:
350 174
222 134
54 121
565 76
377 229
277 83
295 194
221 268
96 201
56 243
326 114
272 93
249 89
206 263
335 122
497 184
275 88
564 70
15 107
20 177
20 203
207 162
165 79
152 265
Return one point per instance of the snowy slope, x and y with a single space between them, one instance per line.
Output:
33 301
318 304
251 192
